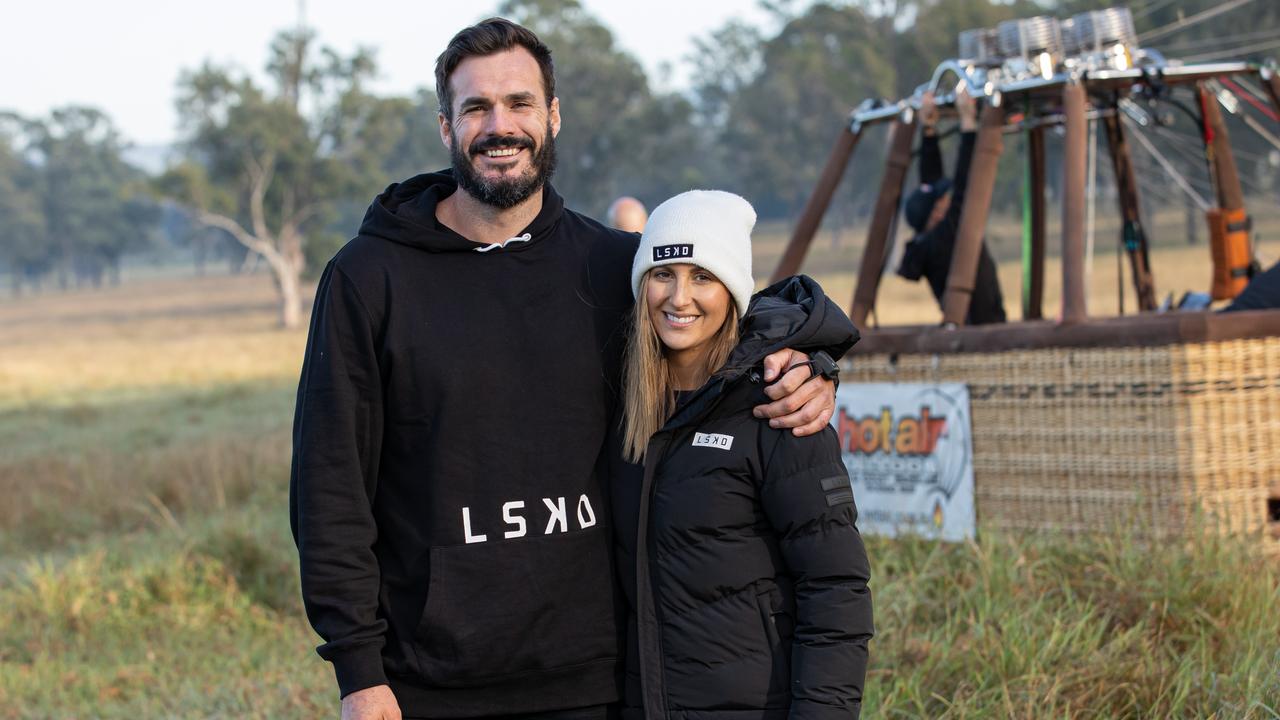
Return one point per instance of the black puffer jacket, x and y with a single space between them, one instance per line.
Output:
745 575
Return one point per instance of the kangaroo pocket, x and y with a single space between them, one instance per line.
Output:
505 608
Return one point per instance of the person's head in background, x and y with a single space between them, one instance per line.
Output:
927 205
628 214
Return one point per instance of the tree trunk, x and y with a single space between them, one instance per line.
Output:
283 255
199 249
289 280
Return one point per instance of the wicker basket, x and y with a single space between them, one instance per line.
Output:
1166 439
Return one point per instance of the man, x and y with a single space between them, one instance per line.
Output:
1262 292
933 212
458 385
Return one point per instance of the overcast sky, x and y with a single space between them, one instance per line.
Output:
124 56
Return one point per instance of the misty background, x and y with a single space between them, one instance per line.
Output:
752 107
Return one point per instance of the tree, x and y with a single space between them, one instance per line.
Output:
23 246
780 125
412 146
724 63
934 35
81 206
617 136
271 167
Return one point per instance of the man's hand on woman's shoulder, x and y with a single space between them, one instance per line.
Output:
802 401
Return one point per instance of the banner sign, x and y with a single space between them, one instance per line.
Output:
909 453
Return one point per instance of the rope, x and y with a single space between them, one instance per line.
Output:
1183 147
1236 51
1197 159
1150 8
1240 93
1176 138
1176 176
1156 179
1155 189
1252 89
1258 128
1184 23
1157 192
1216 42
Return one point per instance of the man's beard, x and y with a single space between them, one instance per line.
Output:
506 191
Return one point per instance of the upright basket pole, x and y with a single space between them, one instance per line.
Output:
1271 81
1074 170
973 216
882 222
818 202
1132 235
1230 193
1230 226
1033 229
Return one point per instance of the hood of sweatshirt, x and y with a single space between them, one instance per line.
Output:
793 313
405 213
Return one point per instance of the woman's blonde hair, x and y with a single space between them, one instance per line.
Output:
649 388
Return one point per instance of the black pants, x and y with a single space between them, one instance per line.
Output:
595 712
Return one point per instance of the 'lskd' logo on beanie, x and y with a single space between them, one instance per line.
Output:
668 252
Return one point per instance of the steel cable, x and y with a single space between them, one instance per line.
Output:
1173 174
1216 42
1236 51
1182 139
1150 8
1184 23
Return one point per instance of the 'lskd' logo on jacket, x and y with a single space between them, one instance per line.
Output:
724 442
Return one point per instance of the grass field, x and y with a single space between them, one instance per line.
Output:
146 567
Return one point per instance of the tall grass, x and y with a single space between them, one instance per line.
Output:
54 500
196 621
1103 627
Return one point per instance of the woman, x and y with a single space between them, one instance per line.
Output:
745 575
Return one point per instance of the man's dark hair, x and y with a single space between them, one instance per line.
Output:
488 37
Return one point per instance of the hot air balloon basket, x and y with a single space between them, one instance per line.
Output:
1164 441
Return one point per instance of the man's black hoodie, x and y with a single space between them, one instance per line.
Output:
446 494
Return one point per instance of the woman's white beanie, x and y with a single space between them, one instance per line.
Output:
707 228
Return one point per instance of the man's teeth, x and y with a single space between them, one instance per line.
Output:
681 319
503 152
